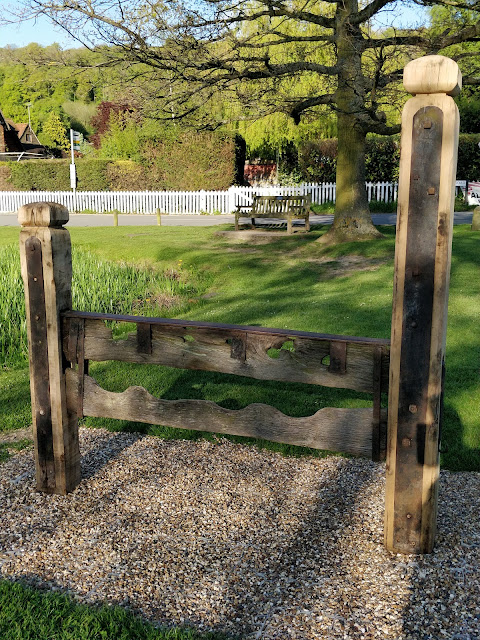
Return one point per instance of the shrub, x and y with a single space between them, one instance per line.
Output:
318 160
468 167
191 162
54 175
92 174
126 175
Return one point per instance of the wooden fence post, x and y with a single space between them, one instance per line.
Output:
46 261
430 125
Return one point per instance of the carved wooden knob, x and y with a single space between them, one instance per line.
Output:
432 74
43 214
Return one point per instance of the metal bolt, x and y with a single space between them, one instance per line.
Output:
42 412
427 124
406 442
409 515
413 408
414 325
35 279
431 191
37 317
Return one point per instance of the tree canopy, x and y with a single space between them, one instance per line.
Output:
275 56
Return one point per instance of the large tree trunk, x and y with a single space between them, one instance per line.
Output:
352 220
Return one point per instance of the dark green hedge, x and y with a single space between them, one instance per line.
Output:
317 160
468 167
193 161
54 175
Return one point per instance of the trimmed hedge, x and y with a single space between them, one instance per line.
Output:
53 175
317 160
468 167
193 161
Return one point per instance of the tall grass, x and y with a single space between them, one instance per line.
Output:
13 324
98 285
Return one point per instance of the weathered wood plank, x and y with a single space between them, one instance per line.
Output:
239 351
88 315
40 223
344 430
430 125
38 349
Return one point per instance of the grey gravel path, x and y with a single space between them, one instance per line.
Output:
105 220
225 537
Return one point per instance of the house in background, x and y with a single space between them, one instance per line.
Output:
18 141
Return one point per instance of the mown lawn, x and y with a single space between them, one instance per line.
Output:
199 274
30 614
293 282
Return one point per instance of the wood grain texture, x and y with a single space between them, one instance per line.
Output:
344 430
413 462
39 373
241 352
57 272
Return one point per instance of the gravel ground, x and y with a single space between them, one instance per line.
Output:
224 537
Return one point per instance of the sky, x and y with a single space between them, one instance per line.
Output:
43 31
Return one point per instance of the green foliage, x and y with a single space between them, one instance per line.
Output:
80 115
191 162
122 140
469 108
126 175
42 76
468 166
92 174
40 175
382 159
31 614
53 175
98 285
54 133
315 289
318 160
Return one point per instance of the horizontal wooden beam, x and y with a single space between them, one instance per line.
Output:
255 352
113 317
343 430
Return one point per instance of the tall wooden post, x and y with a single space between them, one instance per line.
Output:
430 125
46 260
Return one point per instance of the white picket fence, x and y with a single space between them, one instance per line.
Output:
180 202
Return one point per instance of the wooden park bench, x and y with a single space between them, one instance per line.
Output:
287 208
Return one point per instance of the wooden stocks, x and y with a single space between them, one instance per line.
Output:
430 125
46 262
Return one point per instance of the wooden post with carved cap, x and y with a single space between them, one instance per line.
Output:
46 261
430 125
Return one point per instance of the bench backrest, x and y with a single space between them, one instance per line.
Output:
274 205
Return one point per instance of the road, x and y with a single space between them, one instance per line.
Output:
106 220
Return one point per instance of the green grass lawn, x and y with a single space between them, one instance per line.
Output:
293 283
29 614
196 273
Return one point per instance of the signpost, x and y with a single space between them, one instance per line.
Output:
75 139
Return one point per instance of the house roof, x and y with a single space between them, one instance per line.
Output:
13 134
19 127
